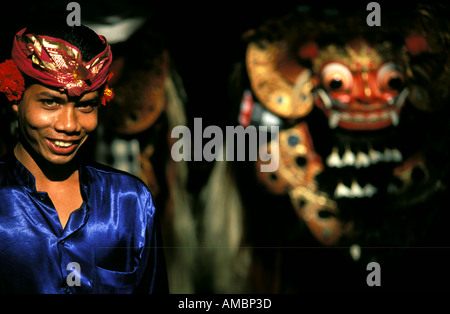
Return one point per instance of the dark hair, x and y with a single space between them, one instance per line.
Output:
81 37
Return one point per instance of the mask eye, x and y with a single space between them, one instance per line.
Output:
336 77
390 77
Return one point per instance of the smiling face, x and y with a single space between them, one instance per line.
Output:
53 125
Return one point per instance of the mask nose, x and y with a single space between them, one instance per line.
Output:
364 91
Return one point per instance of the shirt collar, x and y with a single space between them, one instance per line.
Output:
17 173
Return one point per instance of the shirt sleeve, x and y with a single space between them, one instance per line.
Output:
152 272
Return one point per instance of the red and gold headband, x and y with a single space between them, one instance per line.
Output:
57 63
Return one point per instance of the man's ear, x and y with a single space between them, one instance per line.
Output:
15 107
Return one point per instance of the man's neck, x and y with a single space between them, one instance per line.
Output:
45 173
61 182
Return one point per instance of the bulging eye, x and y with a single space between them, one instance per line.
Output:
390 77
336 77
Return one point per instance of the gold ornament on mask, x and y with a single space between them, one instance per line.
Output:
320 214
279 83
299 164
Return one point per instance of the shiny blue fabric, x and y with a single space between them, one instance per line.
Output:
113 237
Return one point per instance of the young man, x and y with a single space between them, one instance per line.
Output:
66 225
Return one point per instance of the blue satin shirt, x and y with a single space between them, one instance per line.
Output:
111 244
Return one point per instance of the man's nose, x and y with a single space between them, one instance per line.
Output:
67 120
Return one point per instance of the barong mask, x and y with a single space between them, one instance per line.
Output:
360 87
55 62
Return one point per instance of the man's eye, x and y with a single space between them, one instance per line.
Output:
49 102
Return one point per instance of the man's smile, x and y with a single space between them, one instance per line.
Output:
62 147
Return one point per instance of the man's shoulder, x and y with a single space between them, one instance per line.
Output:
111 174
2 170
4 160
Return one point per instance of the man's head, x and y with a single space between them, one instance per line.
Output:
65 71
53 124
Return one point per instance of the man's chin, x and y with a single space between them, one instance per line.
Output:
50 158
60 160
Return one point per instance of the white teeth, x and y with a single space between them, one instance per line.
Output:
394 117
359 117
387 155
62 144
392 155
334 160
362 160
375 156
341 191
396 155
369 190
348 158
334 119
355 190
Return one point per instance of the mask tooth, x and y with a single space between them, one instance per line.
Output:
334 119
369 190
396 155
387 156
394 117
348 158
356 190
375 156
342 191
334 160
362 160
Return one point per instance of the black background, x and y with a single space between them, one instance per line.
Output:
204 39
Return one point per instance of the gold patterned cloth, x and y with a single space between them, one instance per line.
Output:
56 62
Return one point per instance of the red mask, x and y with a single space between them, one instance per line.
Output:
356 89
